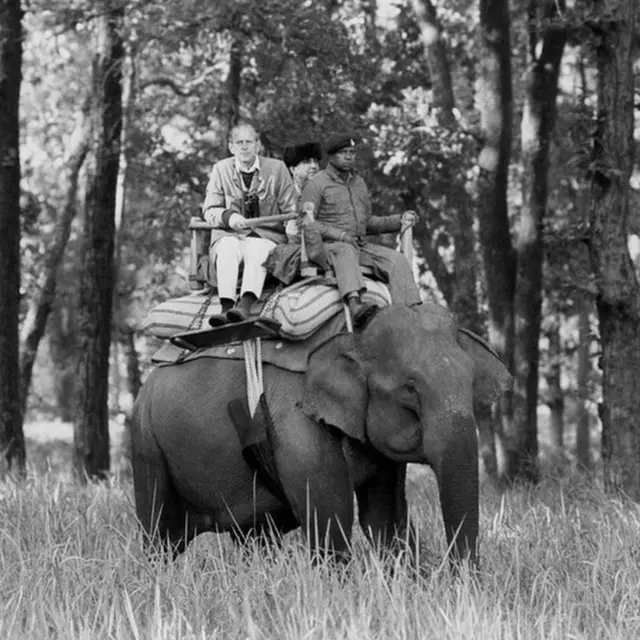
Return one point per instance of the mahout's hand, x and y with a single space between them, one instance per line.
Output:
408 219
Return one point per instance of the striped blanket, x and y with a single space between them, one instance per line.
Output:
300 309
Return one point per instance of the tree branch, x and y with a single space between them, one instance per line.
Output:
163 81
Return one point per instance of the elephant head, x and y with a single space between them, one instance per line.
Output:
407 386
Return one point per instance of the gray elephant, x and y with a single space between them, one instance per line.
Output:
401 391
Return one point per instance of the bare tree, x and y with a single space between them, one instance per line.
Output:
11 415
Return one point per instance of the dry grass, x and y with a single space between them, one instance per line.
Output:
560 560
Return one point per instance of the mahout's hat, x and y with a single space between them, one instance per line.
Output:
340 141
296 153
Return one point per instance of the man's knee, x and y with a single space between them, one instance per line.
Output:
227 247
343 251
258 248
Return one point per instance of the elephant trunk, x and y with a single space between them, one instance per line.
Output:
457 474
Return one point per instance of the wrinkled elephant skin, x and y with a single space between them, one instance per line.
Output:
402 391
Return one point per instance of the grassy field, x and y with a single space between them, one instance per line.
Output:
558 561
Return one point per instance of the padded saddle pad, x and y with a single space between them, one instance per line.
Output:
302 308
281 353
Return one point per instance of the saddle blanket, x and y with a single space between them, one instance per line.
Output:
284 354
301 309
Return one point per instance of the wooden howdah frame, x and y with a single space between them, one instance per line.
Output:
201 238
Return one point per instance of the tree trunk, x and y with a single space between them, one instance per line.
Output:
460 295
437 60
234 80
618 297
11 415
494 97
555 401
370 11
35 323
583 449
91 423
128 100
132 359
538 122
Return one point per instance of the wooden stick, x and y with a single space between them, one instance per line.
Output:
406 244
251 222
307 270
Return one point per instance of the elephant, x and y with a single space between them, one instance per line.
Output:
400 391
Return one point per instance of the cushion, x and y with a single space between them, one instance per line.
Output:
182 314
304 307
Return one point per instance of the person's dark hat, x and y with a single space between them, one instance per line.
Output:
340 141
296 153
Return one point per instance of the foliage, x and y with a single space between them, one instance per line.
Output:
305 73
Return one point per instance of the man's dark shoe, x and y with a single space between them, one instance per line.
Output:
361 312
218 320
242 311
236 315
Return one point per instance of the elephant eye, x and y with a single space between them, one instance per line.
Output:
410 396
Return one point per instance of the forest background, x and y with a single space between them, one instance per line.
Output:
510 127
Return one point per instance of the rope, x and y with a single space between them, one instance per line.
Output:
198 318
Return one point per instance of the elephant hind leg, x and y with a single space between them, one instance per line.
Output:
158 505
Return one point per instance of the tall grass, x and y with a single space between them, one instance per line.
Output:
560 560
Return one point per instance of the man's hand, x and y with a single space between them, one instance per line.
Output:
347 238
409 218
237 222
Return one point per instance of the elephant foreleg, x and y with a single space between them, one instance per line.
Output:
383 510
315 478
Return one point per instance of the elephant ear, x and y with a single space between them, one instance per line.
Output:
491 376
335 391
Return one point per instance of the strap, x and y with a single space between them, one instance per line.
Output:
254 373
347 317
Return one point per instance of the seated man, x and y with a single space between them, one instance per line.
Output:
303 161
240 188
341 207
